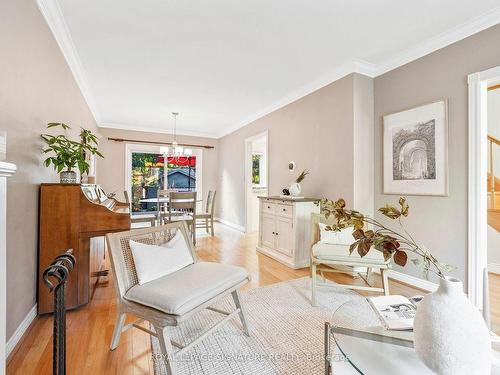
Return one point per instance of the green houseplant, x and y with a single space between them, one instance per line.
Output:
68 154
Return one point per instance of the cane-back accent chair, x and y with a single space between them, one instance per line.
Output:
174 298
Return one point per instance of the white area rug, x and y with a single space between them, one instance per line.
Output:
286 333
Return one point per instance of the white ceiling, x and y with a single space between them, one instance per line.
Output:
223 63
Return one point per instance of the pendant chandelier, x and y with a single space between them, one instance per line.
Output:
176 152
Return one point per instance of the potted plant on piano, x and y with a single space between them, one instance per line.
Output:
67 154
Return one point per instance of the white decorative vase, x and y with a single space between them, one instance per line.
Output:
450 334
295 189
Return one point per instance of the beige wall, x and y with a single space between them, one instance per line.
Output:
315 131
111 169
36 87
438 222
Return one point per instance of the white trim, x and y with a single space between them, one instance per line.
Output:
53 15
21 330
413 281
354 66
477 189
229 224
494 268
416 282
149 129
457 33
7 169
155 149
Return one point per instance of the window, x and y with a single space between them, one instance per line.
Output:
150 173
258 172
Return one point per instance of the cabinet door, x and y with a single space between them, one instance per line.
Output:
267 231
284 235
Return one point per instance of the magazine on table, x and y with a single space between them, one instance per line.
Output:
395 312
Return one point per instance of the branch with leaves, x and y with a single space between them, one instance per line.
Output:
302 175
68 154
392 244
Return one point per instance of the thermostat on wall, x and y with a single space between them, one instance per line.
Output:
291 166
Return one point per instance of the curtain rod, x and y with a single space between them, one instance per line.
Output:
158 143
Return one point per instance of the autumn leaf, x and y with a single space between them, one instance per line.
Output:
400 258
358 234
390 211
364 246
405 208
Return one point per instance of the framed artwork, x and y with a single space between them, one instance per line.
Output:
416 150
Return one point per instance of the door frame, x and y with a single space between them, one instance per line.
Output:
155 149
248 168
477 189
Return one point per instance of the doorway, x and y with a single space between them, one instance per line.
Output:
484 189
256 177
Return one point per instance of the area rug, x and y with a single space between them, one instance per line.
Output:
286 333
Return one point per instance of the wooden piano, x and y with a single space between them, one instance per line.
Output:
74 216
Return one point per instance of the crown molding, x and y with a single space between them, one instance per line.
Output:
146 129
353 66
53 15
460 32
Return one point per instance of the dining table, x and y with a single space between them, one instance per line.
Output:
165 200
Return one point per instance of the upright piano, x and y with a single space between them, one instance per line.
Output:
76 216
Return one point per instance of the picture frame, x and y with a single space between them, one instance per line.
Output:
415 150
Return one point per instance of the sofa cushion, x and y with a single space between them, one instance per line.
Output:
186 289
341 253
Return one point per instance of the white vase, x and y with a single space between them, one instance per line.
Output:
295 189
450 334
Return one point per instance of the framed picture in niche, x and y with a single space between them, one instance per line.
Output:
416 150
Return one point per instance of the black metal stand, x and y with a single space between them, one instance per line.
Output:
60 269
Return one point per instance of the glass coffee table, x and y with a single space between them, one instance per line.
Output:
357 343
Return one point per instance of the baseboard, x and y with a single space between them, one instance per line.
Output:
494 268
238 227
21 330
416 282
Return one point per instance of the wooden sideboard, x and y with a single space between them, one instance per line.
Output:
284 229
74 216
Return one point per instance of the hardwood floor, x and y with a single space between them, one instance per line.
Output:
89 329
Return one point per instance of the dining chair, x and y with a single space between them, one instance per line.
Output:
172 299
142 218
162 196
206 219
182 207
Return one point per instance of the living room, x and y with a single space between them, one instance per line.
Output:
267 124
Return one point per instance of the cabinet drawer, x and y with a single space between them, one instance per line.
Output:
268 208
285 210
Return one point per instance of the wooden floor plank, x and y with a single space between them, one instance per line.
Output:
90 328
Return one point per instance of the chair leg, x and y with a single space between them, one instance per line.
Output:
206 224
212 226
313 284
120 321
236 299
385 281
167 352
368 274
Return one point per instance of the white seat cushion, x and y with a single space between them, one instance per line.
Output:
188 288
341 253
